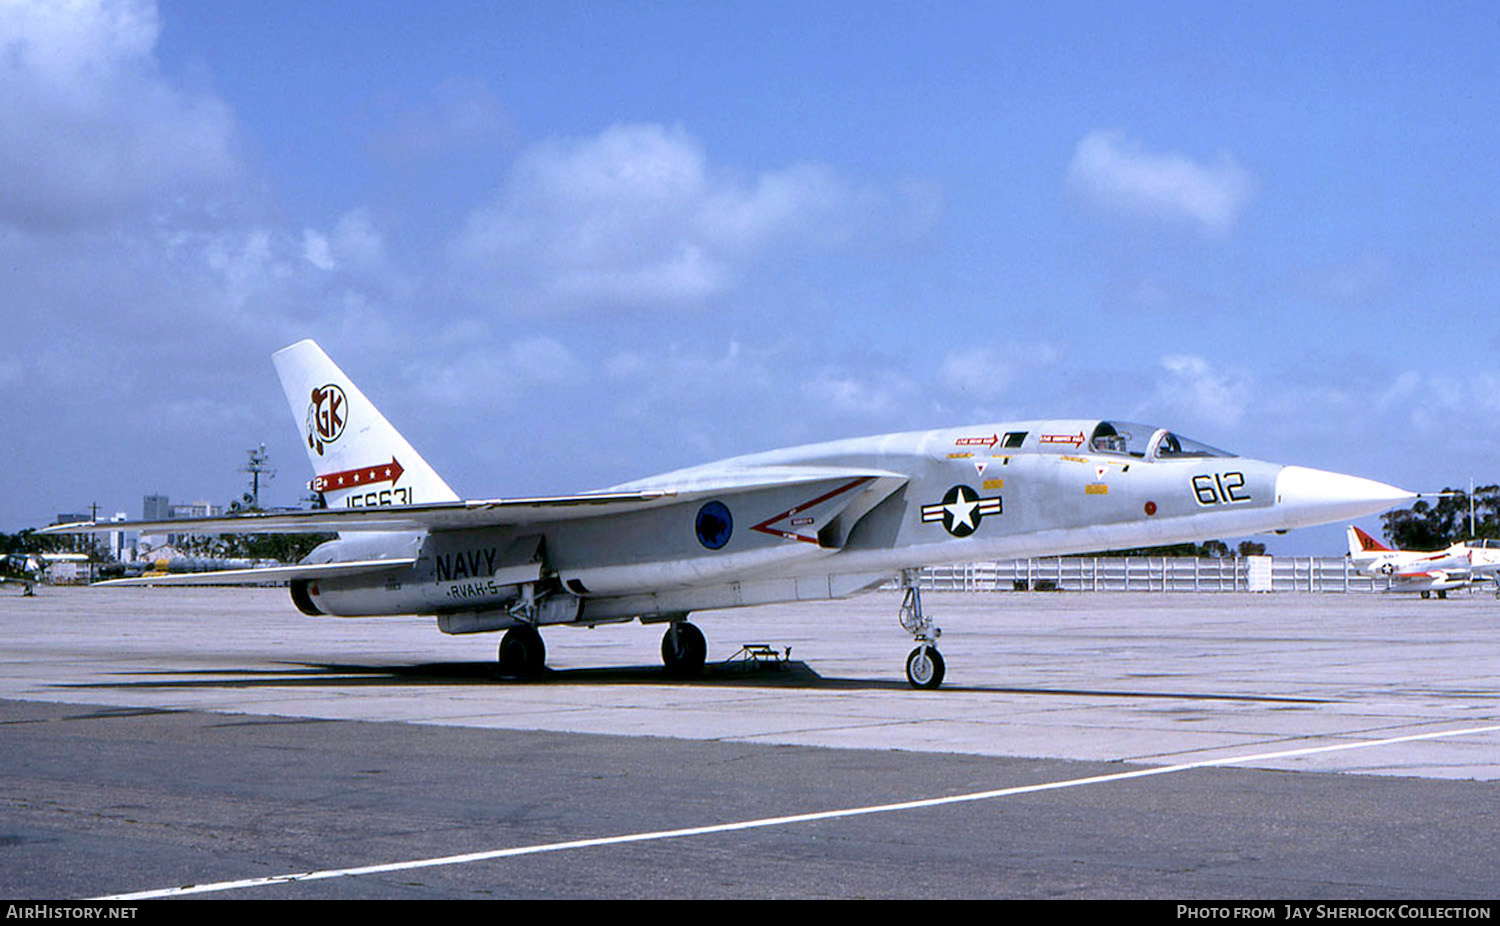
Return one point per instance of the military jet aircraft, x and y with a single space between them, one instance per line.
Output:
810 523
29 569
1437 571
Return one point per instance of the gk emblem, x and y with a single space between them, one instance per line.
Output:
325 416
961 510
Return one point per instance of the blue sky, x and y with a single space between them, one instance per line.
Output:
565 245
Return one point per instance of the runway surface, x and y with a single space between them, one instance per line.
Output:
1085 745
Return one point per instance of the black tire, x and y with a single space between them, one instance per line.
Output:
924 668
684 652
522 653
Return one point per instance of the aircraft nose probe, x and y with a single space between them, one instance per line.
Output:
1314 496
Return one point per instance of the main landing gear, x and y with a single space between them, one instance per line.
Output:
522 653
683 650
924 667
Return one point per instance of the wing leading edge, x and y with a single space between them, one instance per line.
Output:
268 573
495 512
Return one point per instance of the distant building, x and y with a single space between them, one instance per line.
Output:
122 543
196 510
156 508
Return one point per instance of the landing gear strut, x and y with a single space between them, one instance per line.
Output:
683 650
924 667
522 653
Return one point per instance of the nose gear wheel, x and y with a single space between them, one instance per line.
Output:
924 667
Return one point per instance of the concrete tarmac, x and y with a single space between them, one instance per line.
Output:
155 738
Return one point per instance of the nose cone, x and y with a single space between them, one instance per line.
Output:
1314 496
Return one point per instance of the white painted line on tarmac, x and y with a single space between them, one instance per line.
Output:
489 855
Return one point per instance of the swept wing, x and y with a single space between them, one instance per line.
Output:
268 573
497 512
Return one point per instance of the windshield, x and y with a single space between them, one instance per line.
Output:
1146 442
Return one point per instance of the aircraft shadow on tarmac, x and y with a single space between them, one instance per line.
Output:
789 675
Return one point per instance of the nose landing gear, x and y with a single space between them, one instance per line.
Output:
924 667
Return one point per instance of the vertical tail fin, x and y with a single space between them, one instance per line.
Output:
358 458
1362 543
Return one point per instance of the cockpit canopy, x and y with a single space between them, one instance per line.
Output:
1143 441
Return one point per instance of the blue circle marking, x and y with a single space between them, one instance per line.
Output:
714 525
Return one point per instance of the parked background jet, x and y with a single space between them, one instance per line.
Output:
29 569
1426 572
809 523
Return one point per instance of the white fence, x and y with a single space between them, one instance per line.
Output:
1150 574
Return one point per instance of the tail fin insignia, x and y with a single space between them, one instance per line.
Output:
359 459
1367 544
326 414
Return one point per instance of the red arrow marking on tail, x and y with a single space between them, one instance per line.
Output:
357 478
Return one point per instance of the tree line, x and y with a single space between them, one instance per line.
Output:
1437 524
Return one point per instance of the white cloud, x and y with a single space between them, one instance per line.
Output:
1399 393
355 242
702 375
638 217
1359 283
869 395
353 255
686 274
1117 173
1197 390
358 241
246 262
457 115
496 377
1434 402
988 372
104 134
316 249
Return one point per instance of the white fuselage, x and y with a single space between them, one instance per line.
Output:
945 496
